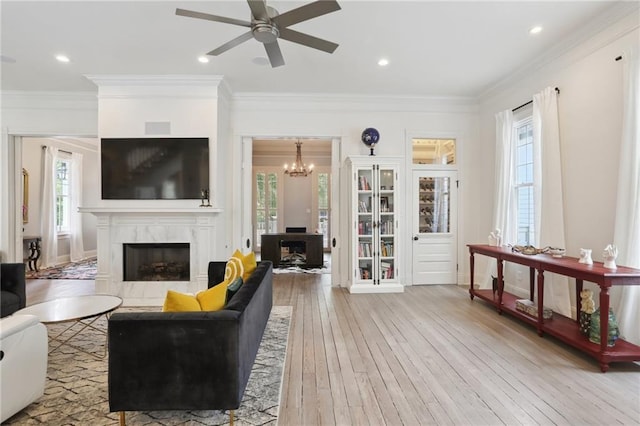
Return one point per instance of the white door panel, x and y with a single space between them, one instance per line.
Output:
435 227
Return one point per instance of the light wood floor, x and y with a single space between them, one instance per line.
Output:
427 356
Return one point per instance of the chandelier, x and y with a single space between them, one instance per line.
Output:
298 169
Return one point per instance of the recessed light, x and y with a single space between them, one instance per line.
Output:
62 58
203 59
535 30
383 62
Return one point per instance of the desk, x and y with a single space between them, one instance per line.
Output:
565 329
271 248
34 246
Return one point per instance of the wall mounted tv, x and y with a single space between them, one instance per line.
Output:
154 168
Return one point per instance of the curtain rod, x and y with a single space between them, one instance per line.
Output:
61 150
530 102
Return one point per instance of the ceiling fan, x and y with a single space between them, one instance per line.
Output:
267 26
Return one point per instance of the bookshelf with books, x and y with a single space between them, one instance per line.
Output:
374 235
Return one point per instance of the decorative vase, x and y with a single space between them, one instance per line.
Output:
585 323
594 328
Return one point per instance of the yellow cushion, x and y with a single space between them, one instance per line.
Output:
214 298
234 267
240 265
250 265
180 302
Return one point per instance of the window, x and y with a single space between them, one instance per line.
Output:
63 195
523 184
266 197
323 207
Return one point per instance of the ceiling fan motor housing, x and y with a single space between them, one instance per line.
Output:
265 33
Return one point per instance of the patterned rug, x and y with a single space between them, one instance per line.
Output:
82 270
76 389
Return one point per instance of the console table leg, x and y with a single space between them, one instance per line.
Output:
540 301
532 285
604 367
471 268
500 284
604 320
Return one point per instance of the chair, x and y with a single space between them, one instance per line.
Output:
295 246
12 286
23 362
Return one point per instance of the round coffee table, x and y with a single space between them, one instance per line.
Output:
82 311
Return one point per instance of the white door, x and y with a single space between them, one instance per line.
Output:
435 213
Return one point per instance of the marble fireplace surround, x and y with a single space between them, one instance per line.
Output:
117 226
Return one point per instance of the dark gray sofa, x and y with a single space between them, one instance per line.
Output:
12 288
189 360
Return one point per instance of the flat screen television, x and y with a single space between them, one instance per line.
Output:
154 168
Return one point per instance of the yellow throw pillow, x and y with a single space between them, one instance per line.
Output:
250 265
234 267
180 302
214 298
240 265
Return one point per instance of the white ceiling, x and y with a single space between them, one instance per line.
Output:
434 48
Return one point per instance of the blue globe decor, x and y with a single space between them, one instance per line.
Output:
370 138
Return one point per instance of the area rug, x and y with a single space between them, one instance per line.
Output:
82 270
299 270
76 389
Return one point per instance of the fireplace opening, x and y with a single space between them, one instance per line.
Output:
156 262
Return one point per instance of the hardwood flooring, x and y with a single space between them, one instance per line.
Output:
426 356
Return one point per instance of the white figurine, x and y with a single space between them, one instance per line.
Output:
495 238
610 253
585 257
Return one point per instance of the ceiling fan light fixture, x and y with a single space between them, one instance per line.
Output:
298 168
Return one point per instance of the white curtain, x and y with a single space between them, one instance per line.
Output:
75 217
547 188
504 204
48 207
627 225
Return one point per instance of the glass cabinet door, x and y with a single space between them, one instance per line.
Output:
365 223
386 223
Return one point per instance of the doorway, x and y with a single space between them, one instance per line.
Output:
278 200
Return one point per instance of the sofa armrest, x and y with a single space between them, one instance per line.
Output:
12 279
174 361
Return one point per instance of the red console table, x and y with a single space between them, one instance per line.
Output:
565 329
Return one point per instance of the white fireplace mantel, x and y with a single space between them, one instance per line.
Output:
149 210
117 226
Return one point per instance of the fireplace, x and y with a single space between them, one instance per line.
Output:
156 262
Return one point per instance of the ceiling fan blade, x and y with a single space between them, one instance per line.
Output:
307 40
274 53
233 43
308 11
208 17
259 10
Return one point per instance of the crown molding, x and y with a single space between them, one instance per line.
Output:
35 100
619 18
247 101
102 80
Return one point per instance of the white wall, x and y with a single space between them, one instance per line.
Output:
590 110
345 117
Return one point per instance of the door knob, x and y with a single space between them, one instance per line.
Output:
333 242
248 243
415 238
